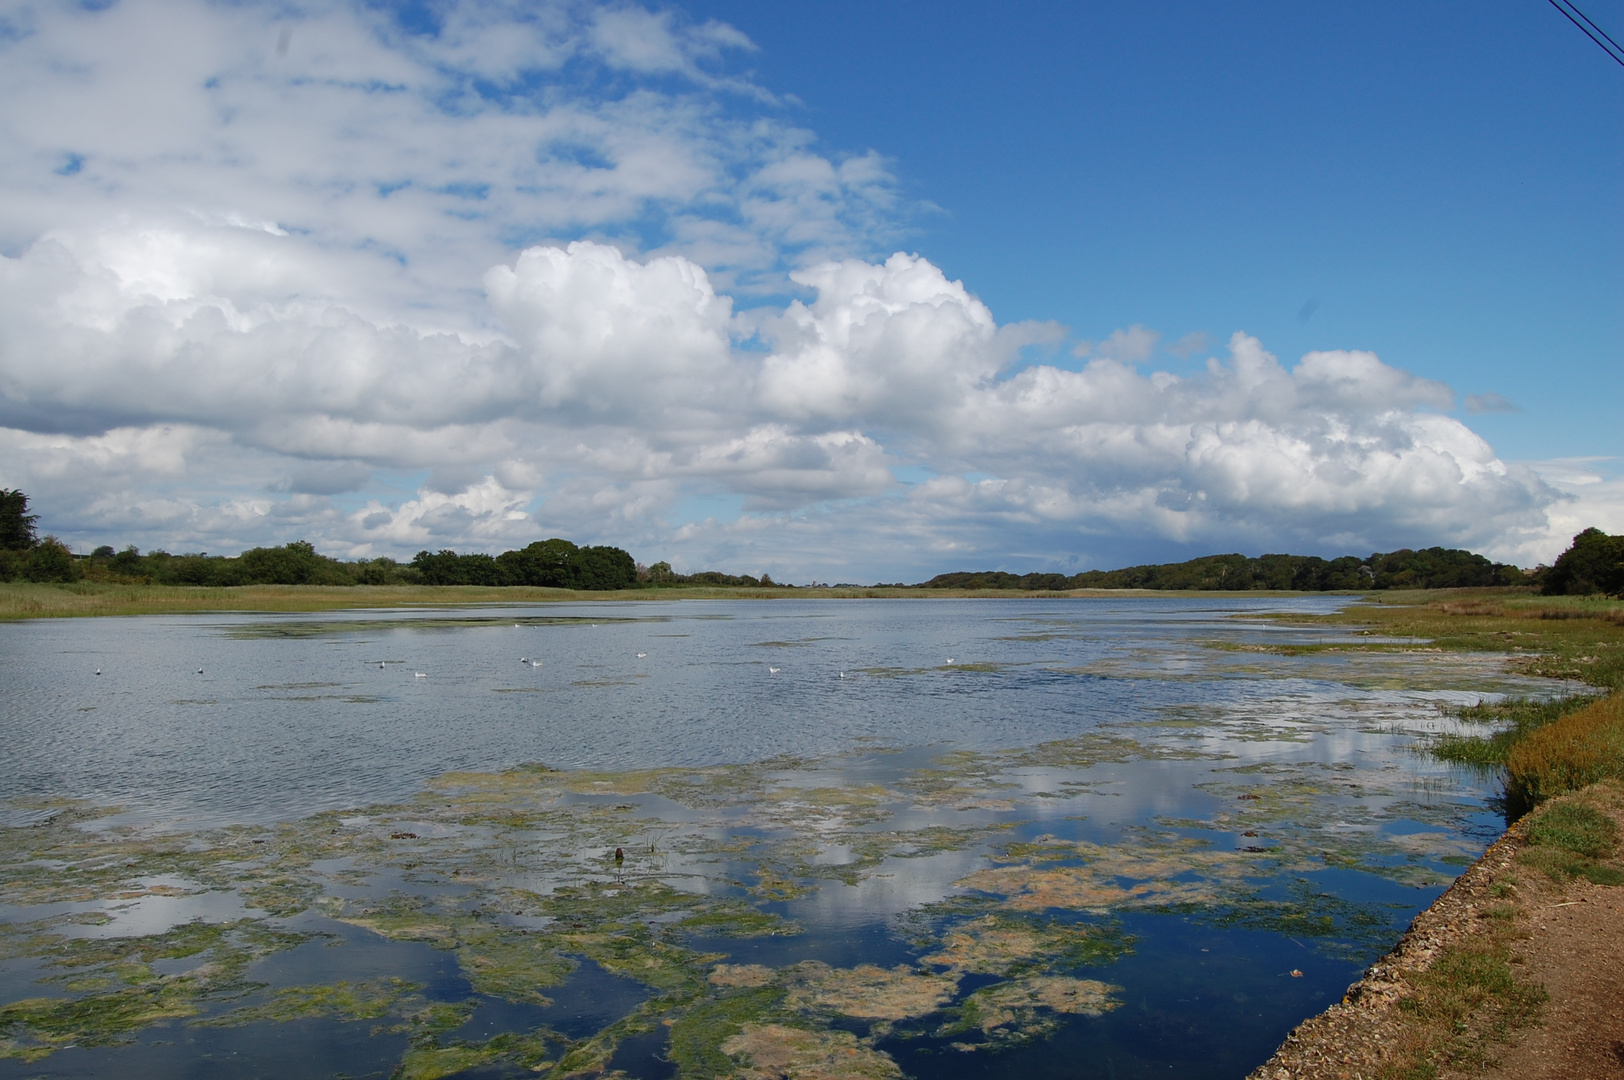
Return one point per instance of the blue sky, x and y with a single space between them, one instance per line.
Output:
846 291
1438 183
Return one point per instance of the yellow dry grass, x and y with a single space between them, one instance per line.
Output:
1574 752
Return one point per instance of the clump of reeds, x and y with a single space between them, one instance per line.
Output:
1517 717
1570 753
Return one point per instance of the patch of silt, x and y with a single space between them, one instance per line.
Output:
524 875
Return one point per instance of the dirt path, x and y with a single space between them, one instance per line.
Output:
1459 996
1576 947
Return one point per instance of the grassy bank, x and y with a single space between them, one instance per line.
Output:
20 600
1571 753
1459 1013
1577 638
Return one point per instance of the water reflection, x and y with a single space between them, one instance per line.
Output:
1107 831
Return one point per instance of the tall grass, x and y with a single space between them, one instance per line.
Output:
1571 753
1521 717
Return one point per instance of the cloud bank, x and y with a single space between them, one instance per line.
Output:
272 273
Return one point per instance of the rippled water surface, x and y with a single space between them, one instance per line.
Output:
934 838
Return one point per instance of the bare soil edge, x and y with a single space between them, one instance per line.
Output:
1367 1036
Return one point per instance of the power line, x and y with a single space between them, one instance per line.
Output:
1590 29
1596 28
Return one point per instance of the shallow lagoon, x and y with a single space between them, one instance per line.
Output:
931 838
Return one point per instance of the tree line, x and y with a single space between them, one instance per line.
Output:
1593 563
554 563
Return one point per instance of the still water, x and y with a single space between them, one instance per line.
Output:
846 838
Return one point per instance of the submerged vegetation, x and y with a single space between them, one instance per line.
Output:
540 884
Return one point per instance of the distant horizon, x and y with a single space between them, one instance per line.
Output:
736 571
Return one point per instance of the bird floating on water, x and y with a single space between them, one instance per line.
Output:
200 671
422 674
949 659
535 663
380 665
842 674
641 655
98 671
524 659
772 671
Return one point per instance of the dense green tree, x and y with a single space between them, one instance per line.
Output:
128 561
296 563
199 569
1433 568
479 569
716 577
17 531
555 562
384 571
443 567
1593 563
603 568
545 563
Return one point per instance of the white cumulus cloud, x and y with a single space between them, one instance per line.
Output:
272 272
